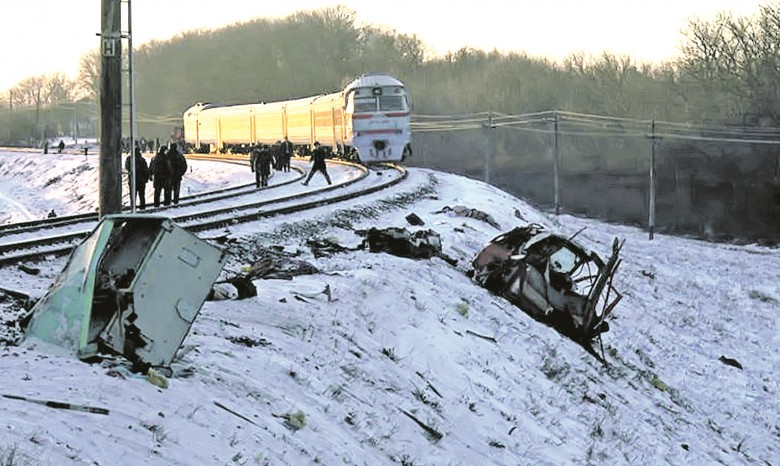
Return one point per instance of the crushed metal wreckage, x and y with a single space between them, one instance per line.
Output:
422 244
134 287
552 279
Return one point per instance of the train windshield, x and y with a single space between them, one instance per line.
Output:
379 99
365 104
391 103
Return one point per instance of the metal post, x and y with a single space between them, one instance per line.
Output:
651 219
110 167
10 116
488 146
556 167
38 114
131 72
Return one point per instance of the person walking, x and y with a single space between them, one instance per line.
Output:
160 171
286 154
178 168
141 176
262 160
318 163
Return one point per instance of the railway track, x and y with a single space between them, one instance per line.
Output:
208 211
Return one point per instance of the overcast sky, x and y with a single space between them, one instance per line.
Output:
44 36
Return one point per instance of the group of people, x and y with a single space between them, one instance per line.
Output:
60 147
168 167
263 158
165 171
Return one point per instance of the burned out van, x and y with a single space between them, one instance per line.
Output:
551 278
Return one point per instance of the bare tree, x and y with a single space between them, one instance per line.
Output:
735 61
88 80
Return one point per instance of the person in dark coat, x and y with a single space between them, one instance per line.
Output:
286 154
318 163
160 171
262 160
141 176
60 147
179 169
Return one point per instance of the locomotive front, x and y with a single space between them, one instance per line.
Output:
378 109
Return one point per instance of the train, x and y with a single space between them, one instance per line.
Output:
367 121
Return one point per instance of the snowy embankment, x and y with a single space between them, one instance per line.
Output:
408 362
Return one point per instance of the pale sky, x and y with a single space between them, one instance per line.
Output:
44 36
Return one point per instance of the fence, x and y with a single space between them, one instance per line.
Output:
710 180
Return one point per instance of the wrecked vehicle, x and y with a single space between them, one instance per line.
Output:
552 279
134 286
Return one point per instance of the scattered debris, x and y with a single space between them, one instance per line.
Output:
414 220
484 337
29 270
60 405
220 405
463 211
659 384
323 247
134 287
552 279
280 267
293 421
422 244
434 434
249 342
730 362
243 286
325 291
156 378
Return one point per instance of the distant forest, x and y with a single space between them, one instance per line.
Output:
726 77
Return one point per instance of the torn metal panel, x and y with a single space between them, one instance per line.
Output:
551 278
134 286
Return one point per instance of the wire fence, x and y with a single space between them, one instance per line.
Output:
716 181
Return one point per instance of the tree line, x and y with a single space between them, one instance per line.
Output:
726 72
725 75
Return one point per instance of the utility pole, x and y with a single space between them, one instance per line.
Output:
556 167
651 207
131 88
10 116
488 145
110 168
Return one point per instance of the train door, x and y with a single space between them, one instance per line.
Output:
333 127
218 136
284 122
252 127
197 132
313 133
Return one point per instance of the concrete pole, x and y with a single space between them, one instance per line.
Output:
651 207
131 73
556 167
110 167
488 146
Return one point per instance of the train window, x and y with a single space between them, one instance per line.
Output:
363 104
391 102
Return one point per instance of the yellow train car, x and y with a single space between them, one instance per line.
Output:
368 120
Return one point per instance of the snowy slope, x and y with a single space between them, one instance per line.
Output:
293 377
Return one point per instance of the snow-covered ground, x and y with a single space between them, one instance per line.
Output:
33 184
293 377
